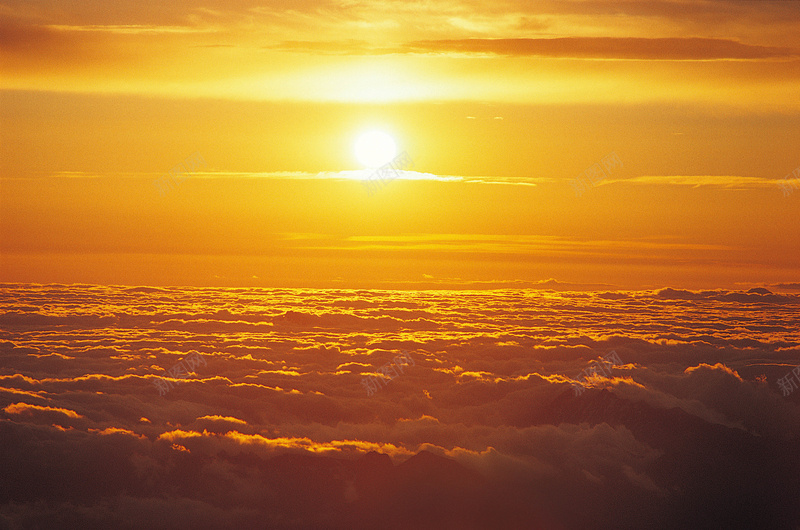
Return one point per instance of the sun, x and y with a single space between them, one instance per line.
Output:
375 148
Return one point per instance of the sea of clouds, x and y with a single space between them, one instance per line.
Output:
133 407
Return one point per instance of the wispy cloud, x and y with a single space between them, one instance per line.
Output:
608 48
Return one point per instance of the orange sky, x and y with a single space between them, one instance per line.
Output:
500 107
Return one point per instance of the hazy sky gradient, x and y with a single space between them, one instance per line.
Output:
500 107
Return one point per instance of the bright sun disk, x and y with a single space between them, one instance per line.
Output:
375 148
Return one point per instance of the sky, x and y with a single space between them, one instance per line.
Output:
684 114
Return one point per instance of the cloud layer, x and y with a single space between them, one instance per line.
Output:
275 425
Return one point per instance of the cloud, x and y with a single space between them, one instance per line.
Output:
627 48
717 181
607 48
279 414
787 286
29 410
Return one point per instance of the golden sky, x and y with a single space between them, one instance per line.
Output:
501 106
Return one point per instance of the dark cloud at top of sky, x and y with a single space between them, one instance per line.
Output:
276 425
608 48
594 26
128 11
687 11
564 47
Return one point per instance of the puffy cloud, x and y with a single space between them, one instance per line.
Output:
28 410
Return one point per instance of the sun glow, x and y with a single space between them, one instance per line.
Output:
375 148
